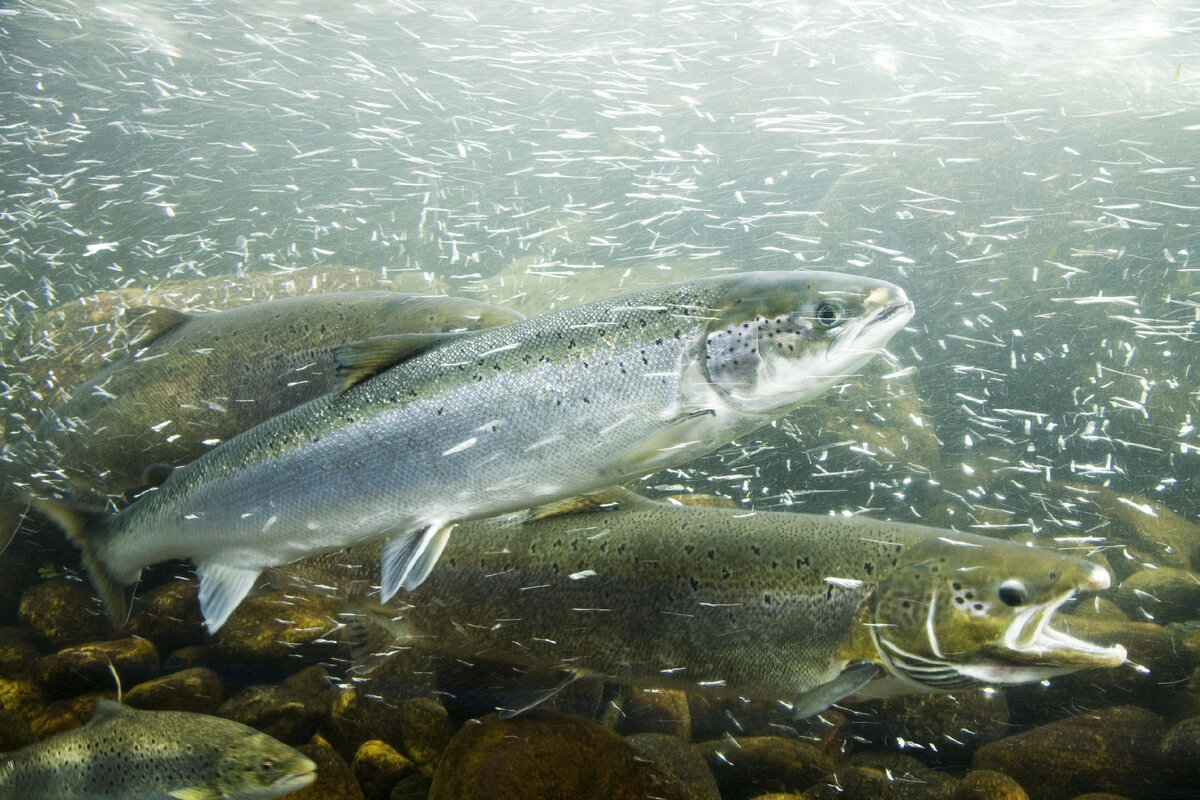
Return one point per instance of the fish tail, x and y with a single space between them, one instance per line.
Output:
87 529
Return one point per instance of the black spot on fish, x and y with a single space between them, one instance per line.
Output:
689 548
768 599
756 550
869 567
694 583
712 555
801 562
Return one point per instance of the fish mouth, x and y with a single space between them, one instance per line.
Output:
302 777
1031 641
867 337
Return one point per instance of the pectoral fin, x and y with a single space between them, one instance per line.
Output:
195 793
660 450
357 361
222 588
407 559
854 677
535 688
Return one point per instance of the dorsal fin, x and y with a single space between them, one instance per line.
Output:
357 361
145 324
107 709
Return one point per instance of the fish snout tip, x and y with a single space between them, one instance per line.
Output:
1098 580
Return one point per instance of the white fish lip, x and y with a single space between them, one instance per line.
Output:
295 781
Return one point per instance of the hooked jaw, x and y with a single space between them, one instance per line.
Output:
866 337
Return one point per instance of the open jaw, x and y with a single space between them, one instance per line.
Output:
1031 650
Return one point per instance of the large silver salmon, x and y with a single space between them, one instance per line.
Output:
193 380
768 605
462 426
127 754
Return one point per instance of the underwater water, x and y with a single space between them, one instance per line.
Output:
1026 172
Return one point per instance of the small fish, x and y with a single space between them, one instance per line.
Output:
435 429
193 380
767 605
126 754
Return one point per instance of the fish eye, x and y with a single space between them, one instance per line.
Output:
1013 593
830 314
266 765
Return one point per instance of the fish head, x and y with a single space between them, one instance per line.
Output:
782 338
254 766
963 611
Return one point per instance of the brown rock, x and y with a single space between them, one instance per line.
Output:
680 759
198 689
752 765
905 777
279 630
63 613
413 787
335 780
1113 750
778 796
1180 753
986 784
544 755
68 714
169 615
18 652
851 783
90 666
1160 595
289 715
18 572
654 711
715 716
378 768
186 658
951 727
356 717
1101 796
426 731
22 698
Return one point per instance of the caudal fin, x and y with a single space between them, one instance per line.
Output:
83 527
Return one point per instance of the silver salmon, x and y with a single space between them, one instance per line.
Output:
193 380
767 605
463 426
127 754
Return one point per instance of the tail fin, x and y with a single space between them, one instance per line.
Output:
83 526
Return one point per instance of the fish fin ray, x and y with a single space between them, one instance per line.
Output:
12 515
408 558
222 589
655 451
854 677
194 793
586 503
85 527
535 688
357 361
371 638
146 324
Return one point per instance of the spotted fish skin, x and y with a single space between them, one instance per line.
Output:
193 380
768 605
493 421
127 754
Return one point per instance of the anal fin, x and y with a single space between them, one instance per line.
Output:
222 588
408 559
854 677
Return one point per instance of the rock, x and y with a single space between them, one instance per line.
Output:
356 717
1099 607
378 768
22 698
905 778
681 759
752 765
545 755
1161 595
186 658
779 796
851 783
1180 753
335 780
414 787
63 613
1104 796
15 732
986 784
18 572
654 711
425 730
291 716
68 714
277 631
18 652
169 615
951 727
198 689
1113 750
715 716
90 666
